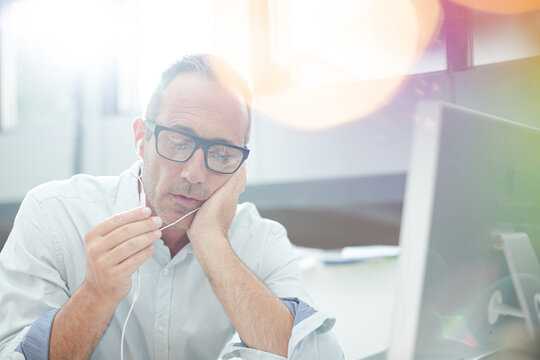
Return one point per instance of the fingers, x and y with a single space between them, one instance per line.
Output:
242 176
239 181
131 264
132 230
132 246
234 185
116 248
117 221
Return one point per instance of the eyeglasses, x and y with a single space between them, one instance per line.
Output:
179 146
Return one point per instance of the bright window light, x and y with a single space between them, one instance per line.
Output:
73 33
167 30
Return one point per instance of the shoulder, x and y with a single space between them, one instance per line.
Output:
251 233
248 217
82 200
81 187
262 244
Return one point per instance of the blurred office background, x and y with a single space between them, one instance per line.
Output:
335 84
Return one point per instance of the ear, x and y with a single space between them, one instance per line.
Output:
138 136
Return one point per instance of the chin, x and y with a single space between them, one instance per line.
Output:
170 217
180 225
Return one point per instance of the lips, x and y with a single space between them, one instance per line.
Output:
185 201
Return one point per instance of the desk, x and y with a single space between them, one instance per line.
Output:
361 297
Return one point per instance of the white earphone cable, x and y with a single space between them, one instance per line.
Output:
142 203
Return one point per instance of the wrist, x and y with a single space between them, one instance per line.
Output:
79 325
209 246
208 238
92 300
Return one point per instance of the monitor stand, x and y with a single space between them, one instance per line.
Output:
524 270
525 274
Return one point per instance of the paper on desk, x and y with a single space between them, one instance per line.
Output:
369 252
309 257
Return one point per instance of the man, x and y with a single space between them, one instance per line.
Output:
80 247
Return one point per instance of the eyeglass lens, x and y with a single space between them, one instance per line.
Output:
178 147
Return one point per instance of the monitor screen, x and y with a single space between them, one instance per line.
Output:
468 275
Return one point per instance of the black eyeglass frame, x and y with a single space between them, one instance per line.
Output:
199 143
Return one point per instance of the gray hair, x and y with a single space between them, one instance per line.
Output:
210 67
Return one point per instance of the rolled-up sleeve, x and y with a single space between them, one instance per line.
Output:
35 343
311 337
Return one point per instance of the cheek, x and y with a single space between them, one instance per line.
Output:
152 175
215 181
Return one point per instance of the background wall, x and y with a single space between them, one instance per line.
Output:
350 176
68 98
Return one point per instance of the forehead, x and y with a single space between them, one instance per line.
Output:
194 102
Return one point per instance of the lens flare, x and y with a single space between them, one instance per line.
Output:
501 6
455 328
350 62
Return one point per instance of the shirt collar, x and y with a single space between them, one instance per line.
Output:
128 190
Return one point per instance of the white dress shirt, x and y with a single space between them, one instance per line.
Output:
177 314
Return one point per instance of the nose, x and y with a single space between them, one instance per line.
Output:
194 170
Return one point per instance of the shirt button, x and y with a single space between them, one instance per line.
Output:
161 328
166 272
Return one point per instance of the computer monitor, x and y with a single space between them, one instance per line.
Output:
468 284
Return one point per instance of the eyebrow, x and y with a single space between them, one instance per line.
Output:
191 131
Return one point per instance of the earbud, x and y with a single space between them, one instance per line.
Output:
142 199
139 145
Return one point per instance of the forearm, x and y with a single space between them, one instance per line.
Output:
79 325
260 318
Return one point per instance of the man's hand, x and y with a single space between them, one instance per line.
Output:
115 249
216 214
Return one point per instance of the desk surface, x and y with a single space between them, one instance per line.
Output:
361 297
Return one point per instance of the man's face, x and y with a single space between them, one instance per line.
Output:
199 106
